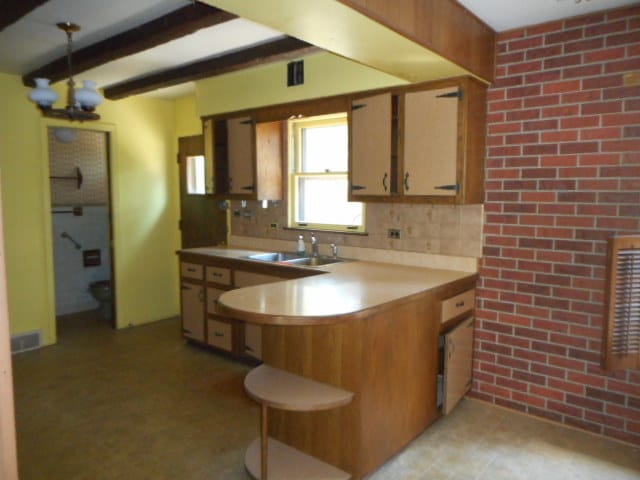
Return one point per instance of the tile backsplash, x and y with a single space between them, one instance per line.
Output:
437 229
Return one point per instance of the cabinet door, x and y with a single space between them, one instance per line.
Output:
193 311
430 144
458 357
370 137
241 155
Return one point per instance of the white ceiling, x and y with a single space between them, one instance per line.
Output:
504 15
34 40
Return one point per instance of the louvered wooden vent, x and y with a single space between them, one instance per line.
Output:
622 329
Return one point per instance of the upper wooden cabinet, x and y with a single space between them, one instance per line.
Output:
370 135
420 143
244 158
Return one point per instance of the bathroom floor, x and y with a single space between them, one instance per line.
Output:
142 404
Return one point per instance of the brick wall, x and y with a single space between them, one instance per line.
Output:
563 174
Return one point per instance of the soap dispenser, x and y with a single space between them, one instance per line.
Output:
300 250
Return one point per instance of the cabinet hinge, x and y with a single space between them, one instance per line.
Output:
455 187
457 93
358 106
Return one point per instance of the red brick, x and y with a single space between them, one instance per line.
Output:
602 419
544 52
582 96
525 43
504 128
515 320
523 115
583 20
538 197
618 197
618 223
553 256
493 389
578 172
600 159
555 232
606 28
619 411
557 209
512 363
621 92
600 133
530 400
562 111
544 28
623 66
542 77
547 370
564 408
621 146
561 87
530 355
585 402
579 147
602 82
559 161
520 162
580 122
566 363
507 58
524 67
496 369
568 341
563 36
623 39
584 45
505 105
604 55
584 355
560 136
576 422
529 377
575 388
547 392
541 101
522 138
511 384
601 107
563 61
573 270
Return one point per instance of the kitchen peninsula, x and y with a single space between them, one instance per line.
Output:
369 328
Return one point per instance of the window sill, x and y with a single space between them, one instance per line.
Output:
321 230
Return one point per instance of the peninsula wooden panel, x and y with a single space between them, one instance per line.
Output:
443 26
388 359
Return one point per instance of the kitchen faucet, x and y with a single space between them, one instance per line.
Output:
314 245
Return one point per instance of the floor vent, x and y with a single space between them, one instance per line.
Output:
26 341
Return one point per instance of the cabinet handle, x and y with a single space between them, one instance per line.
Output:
185 287
216 274
201 296
460 304
218 334
358 187
191 269
249 187
455 186
385 180
186 330
247 348
406 181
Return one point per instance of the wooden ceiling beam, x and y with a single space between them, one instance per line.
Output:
181 22
274 51
12 11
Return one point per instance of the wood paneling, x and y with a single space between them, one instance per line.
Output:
443 26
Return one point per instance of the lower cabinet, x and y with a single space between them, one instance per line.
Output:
192 296
220 333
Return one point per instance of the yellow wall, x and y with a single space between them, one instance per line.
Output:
187 120
145 208
325 74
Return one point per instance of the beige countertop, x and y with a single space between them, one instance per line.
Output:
344 290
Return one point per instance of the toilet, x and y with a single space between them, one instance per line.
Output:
101 291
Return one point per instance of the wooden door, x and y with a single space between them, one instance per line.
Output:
458 358
241 152
370 146
193 311
430 143
202 222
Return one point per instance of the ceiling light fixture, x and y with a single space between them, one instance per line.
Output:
81 103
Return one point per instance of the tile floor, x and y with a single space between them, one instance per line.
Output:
141 404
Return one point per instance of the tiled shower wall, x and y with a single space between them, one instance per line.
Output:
91 229
434 229
563 175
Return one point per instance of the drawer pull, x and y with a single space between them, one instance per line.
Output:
217 274
460 304
218 334
247 348
191 269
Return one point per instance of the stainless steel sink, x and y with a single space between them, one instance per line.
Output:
293 259
275 257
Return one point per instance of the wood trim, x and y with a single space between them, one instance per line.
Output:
274 51
8 452
12 11
176 24
443 26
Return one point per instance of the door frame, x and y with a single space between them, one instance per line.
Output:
51 333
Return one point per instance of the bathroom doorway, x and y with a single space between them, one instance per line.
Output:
79 170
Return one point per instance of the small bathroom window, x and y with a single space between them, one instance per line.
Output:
195 175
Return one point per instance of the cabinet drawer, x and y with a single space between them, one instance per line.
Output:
219 275
212 298
191 270
220 334
248 279
454 306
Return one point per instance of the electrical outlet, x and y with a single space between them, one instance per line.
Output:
394 233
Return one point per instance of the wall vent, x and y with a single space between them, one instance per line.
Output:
26 341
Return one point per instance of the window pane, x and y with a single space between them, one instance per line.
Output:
324 200
325 148
195 175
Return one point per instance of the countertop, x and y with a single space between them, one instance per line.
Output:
345 290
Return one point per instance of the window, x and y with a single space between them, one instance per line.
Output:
318 178
195 175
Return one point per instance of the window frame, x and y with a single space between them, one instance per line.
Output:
295 126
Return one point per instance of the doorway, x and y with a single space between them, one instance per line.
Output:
202 221
79 166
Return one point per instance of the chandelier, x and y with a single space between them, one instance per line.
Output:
81 102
